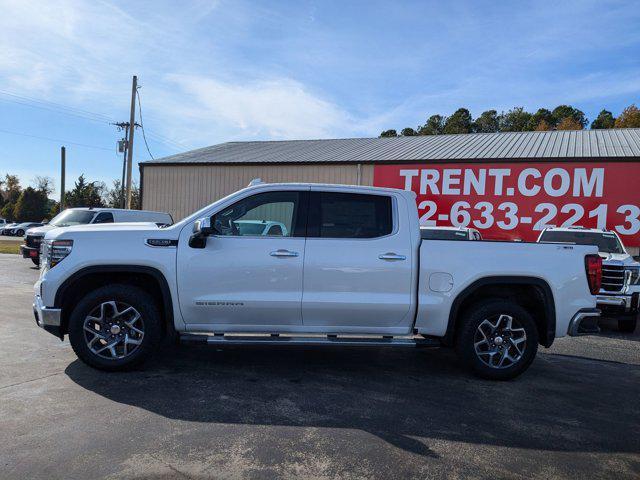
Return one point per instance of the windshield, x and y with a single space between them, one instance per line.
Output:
606 242
429 234
250 228
72 217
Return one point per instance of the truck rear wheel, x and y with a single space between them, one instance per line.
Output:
497 339
115 327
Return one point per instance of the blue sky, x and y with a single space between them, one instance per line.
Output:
216 71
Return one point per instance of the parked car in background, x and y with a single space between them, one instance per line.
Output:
352 270
5 230
619 296
83 216
449 233
3 223
261 227
19 229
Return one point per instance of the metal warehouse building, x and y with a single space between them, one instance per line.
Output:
602 165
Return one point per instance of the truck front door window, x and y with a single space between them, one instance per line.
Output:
264 214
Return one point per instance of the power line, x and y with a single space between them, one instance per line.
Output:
80 113
52 106
144 136
57 140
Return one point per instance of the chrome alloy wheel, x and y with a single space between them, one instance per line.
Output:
113 330
500 341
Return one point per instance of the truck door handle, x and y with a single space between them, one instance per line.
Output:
283 253
391 256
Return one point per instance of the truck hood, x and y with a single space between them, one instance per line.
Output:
102 230
40 231
618 258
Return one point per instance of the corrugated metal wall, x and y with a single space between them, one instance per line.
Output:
183 189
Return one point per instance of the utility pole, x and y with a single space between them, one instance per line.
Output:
132 121
63 160
122 147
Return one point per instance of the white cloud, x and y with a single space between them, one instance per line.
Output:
275 108
83 54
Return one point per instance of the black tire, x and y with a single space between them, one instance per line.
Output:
125 295
20 233
628 324
491 310
36 261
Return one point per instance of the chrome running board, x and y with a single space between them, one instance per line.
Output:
295 340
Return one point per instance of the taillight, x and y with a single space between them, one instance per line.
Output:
593 267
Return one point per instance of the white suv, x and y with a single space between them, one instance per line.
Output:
619 295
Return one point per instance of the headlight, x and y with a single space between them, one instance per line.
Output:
634 275
56 251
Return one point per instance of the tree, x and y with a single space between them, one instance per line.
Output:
487 122
515 120
44 184
603 120
567 111
389 133
543 126
113 197
7 211
85 194
459 122
569 123
32 206
542 115
12 188
54 209
408 132
629 118
433 126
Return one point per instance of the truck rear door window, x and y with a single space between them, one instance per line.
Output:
350 215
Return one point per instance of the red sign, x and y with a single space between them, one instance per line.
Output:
516 201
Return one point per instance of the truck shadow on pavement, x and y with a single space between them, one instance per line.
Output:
408 398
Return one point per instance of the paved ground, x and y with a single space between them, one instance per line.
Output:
321 413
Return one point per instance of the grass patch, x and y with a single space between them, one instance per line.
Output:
9 246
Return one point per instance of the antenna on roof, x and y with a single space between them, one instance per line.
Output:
255 181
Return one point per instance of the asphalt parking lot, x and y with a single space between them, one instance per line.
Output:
200 412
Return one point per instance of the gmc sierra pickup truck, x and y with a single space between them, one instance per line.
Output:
619 295
349 268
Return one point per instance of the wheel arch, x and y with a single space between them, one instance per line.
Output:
544 312
84 280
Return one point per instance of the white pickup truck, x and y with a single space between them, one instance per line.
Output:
350 268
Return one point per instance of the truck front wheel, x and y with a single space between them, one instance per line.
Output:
115 327
497 339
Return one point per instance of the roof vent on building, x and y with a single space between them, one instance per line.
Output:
255 181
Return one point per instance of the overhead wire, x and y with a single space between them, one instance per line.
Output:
144 136
66 142
79 113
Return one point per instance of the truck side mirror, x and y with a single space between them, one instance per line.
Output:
203 227
201 230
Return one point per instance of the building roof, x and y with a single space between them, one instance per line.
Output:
582 144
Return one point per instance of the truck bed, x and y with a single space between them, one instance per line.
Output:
449 266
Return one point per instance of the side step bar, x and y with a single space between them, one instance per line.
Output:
275 339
